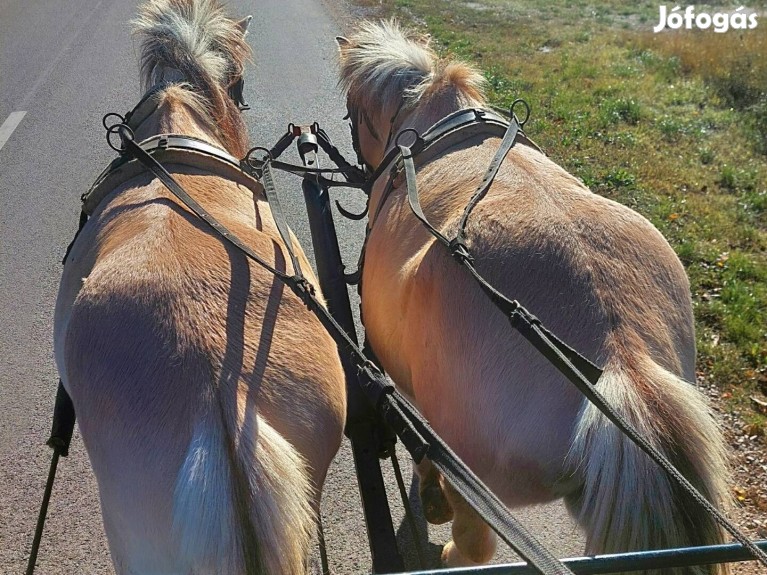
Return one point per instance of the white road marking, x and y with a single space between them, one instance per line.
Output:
9 126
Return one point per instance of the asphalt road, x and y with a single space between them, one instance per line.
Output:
66 63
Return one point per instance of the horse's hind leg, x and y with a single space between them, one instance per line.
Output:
436 507
473 541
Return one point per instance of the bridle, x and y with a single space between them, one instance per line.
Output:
353 115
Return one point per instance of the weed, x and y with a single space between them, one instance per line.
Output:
727 177
706 156
614 110
620 177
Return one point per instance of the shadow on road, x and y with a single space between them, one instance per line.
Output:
408 544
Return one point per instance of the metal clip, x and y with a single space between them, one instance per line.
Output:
253 165
307 147
459 251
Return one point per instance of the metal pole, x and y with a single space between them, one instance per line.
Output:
621 562
362 426
32 562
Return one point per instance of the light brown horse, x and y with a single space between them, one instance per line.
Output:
599 275
210 400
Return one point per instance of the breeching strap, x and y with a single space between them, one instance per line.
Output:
413 430
575 367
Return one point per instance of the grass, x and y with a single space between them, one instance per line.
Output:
673 125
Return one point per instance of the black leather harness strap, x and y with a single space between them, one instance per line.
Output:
509 139
461 254
467 122
279 218
132 149
458 127
353 176
170 149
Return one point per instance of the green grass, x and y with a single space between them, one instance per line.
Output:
673 125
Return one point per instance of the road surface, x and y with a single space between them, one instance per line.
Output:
64 64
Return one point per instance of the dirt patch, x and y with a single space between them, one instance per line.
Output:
749 481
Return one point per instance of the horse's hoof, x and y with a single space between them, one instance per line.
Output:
452 557
436 507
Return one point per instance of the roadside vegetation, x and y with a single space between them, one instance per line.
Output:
673 125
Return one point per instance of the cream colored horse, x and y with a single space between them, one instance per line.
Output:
596 273
210 400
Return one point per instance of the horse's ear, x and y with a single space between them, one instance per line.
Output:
343 43
244 23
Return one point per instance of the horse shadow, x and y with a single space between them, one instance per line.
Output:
417 551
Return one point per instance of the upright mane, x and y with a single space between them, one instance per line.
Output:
195 38
384 66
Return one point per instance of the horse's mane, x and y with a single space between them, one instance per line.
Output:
209 49
384 66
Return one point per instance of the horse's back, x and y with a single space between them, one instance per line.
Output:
149 270
589 267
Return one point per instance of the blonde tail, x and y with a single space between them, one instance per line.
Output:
243 515
627 502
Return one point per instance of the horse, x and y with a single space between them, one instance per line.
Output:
210 399
596 273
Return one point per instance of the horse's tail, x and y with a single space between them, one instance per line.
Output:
242 500
627 502
192 36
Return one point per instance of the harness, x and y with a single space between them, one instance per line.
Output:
169 149
458 127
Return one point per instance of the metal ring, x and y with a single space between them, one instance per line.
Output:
414 132
527 111
123 131
251 161
106 117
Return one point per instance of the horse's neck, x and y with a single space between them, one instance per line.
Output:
175 118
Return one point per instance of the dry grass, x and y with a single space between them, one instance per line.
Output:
733 65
